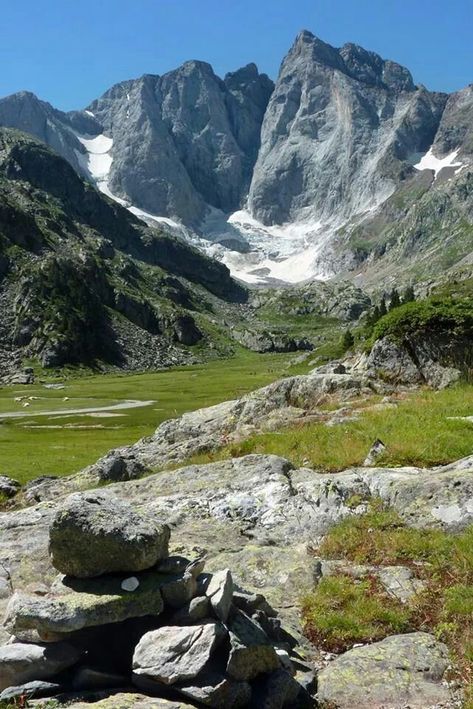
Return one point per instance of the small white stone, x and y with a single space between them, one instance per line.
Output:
130 584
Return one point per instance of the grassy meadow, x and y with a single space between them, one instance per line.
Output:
422 429
60 443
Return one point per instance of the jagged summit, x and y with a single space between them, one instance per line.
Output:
277 170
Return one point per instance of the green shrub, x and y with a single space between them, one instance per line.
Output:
434 315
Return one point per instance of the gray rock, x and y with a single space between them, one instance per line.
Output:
115 469
375 452
34 690
220 593
398 671
399 581
277 691
322 132
421 360
174 654
213 690
20 663
251 653
196 610
8 486
93 533
177 591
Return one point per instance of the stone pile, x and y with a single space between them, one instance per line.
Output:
123 614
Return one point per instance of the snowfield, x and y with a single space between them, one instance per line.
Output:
430 162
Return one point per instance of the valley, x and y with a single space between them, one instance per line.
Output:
236 390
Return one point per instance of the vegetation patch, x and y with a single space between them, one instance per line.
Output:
424 429
341 611
62 443
436 315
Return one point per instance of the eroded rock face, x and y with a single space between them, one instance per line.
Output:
400 671
93 534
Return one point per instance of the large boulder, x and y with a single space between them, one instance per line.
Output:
173 654
402 670
22 662
94 533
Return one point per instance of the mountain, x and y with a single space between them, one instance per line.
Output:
337 169
83 280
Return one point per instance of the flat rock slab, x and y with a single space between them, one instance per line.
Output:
94 533
21 662
74 604
400 671
173 654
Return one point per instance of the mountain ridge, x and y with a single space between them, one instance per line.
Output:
264 176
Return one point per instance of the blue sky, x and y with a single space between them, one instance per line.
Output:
70 52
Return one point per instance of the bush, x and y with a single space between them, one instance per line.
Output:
446 315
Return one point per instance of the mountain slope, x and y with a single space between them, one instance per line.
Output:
82 279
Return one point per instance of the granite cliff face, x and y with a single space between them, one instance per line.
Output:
339 128
320 174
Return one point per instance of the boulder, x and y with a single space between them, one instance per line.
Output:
173 654
279 690
251 652
401 670
22 662
220 593
94 533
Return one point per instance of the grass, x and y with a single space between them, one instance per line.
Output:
60 444
341 611
418 431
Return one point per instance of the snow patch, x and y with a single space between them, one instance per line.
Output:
430 162
98 160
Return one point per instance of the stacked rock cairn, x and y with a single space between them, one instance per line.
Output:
125 616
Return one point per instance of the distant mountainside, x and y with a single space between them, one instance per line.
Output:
83 280
342 167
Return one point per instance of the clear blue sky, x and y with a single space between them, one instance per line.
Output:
70 51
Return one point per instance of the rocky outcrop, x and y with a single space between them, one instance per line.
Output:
110 631
256 515
418 360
